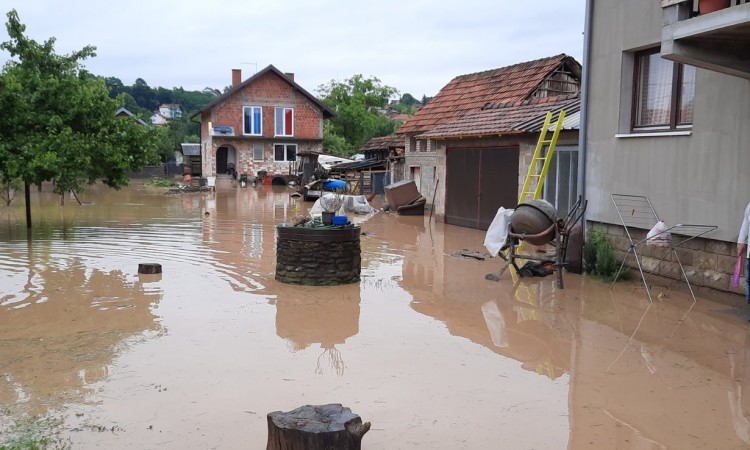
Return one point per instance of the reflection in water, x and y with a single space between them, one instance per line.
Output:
445 288
62 330
319 315
424 346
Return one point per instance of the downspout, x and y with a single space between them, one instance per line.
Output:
583 129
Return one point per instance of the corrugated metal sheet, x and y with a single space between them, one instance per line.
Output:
191 149
572 119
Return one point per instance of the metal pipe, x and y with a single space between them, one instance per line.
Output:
583 130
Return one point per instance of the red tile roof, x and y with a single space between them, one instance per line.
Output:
469 93
502 118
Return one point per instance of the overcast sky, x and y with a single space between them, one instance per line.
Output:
416 46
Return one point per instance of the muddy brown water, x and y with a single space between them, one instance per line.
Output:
425 348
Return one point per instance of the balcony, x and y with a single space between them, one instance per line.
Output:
717 41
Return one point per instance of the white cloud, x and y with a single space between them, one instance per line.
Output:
416 46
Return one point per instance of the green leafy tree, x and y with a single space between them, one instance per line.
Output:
404 109
335 144
358 103
59 123
408 100
144 95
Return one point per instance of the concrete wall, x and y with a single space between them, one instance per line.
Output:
703 178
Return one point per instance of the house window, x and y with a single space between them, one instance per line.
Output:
258 152
253 120
284 152
284 121
561 186
664 93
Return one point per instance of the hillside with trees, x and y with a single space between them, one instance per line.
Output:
143 100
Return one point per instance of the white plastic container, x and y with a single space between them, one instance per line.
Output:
211 182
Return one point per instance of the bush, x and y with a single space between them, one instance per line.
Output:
160 182
599 257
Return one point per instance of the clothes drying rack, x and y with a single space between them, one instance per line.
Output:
637 213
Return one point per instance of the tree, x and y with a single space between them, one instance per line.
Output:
144 95
59 123
358 102
408 100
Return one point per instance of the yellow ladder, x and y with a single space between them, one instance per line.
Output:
539 165
540 161
534 183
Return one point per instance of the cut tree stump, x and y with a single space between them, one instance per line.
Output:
149 268
316 427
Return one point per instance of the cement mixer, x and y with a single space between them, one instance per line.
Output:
536 222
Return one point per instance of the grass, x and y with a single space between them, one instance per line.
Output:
161 182
31 433
600 259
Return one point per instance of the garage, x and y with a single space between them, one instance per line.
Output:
479 180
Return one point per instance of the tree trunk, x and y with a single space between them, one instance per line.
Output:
27 197
310 427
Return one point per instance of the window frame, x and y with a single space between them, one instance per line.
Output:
286 152
675 100
283 124
258 132
257 146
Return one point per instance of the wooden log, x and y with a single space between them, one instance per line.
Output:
309 427
149 268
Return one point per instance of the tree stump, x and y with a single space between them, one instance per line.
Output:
149 268
316 427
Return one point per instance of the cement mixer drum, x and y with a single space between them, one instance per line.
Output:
533 217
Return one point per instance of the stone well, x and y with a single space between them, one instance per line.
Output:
318 256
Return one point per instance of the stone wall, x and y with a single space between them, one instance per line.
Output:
707 262
318 262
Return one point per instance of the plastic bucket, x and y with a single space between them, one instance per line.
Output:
211 181
340 221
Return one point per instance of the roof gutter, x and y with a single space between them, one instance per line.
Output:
583 131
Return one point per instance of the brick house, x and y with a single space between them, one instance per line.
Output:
468 150
260 124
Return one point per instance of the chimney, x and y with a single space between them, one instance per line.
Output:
236 77
290 75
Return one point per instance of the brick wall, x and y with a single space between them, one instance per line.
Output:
268 92
244 154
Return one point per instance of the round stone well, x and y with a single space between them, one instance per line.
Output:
318 256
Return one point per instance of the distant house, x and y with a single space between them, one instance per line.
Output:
122 112
170 111
468 149
158 119
260 124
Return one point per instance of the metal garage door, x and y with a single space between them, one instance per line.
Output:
478 182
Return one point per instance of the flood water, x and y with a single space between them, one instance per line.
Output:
434 355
